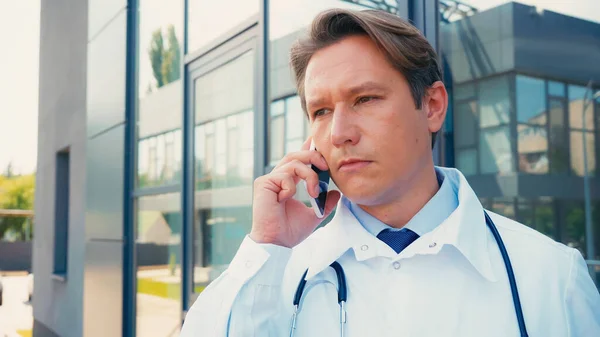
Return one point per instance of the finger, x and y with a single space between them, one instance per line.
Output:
288 187
306 157
332 199
299 170
306 145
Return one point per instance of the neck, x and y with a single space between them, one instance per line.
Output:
407 199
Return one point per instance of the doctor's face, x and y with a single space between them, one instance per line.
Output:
365 123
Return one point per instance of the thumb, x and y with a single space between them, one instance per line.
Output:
332 199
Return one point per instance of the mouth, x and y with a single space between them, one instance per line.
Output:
353 165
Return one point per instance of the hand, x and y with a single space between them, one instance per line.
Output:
277 217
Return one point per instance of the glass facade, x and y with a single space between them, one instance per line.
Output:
521 126
158 270
224 161
523 130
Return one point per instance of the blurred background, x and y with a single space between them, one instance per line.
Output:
131 132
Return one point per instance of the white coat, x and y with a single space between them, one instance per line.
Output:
450 282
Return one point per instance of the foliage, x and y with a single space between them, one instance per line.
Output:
165 60
16 192
155 52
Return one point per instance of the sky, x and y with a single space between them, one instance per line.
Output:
20 62
19 59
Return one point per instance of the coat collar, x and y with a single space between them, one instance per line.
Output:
464 229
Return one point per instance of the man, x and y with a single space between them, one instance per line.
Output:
412 238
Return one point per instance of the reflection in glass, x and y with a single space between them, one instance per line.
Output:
160 107
288 128
224 168
544 217
504 207
577 153
576 113
573 232
495 151
538 214
276 130
556 89
464 91
466 161
494 101
158 258
208 20
465 114
159 159
559 149
531 100
532 148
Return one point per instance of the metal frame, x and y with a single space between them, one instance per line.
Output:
224 52
131 103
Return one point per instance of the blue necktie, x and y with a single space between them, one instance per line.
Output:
398 240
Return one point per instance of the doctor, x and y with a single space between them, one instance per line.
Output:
411 238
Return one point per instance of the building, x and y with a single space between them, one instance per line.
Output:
155 117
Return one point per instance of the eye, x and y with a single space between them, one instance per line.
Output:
365 99
319 112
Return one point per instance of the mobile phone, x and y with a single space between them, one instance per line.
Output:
318 203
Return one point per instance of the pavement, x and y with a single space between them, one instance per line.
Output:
16 312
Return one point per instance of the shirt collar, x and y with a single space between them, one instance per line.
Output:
435 211
464 229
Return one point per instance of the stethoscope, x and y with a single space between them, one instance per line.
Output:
343 292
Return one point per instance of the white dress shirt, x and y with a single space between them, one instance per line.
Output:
435 211
451 281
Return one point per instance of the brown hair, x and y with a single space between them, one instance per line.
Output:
404 46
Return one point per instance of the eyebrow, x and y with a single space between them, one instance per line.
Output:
367 86
352 91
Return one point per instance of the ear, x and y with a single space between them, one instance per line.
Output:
435 104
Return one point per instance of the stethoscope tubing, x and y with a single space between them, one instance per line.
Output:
343 291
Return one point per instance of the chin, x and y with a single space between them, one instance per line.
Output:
360 192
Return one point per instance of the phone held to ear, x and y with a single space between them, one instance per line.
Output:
318 203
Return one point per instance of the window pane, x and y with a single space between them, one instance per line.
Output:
531 100
504 206
288 19
573 232
495 151
466 161
464 91
494 101
294 124
159 92
276 140
556 89
158 257
223 106
538 214
545 218
532 148
211 20
576 104
293 145
466 123
525 212
577 153
559 148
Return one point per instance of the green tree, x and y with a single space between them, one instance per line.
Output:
156 53
16 192
171 58
165 60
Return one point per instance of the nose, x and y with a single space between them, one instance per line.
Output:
344 128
